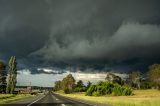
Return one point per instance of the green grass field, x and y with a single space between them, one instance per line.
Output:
140 98
6 98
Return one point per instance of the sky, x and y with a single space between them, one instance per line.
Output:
87 35
25 78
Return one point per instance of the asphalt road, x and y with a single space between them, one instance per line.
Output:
49 99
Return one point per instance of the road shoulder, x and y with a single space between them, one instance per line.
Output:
14 98
27 100
82 101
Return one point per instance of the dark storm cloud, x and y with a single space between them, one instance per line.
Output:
24 25
85 33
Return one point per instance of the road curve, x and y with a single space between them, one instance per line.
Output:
49 99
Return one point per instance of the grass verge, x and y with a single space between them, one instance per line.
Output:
141 98
6 98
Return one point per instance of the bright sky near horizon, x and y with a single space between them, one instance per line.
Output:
47 80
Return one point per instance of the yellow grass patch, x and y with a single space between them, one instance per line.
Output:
5 98
140 98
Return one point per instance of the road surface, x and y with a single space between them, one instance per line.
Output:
49 99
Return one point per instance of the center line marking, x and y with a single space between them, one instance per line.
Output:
63 105
35 101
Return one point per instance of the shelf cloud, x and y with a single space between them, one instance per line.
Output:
87 34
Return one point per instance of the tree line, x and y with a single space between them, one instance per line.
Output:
113 84
152 79
8 79
137 80
69 85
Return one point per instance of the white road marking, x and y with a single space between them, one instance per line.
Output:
54 97
35 101
71 100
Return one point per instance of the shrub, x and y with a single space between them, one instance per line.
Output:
145 84
104 88
127 91
79 89
95 93
67 91
119 90
90 90
108 87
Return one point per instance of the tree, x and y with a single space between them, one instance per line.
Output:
57 85
12 78
68 82
80 87
145 83
134 79
80 83
113 78
2 78
154 75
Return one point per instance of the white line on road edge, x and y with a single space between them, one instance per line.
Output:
71 100
54 97
35 101
63 105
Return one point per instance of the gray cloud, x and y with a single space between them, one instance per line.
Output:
130 41
60 33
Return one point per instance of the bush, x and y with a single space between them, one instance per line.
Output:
95 93
67 91
90 90
108 87
104 88
146 84
127 91
79 89
119 90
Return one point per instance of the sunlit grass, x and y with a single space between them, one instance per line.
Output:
5 98
140 98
